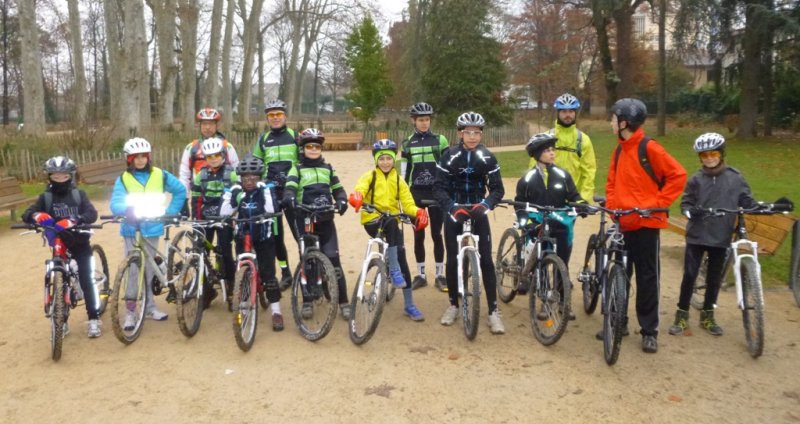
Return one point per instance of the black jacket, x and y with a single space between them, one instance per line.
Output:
64 205
464 176
560 188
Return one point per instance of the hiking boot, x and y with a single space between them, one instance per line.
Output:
649 344
307 311
347 311
93 328
419 282
156 315
450 315
495 323
707 321
130 321
679 325
441 283
413 313
625 332
286 279
277 322
397 278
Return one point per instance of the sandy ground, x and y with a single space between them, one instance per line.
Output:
409 372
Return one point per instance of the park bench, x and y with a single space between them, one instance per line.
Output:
101 172
11 195
343 141
769 231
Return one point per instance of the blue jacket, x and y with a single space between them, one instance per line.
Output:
149 229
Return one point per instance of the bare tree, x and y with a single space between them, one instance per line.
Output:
33 87
134 102
227 101
112 64
165 13
188 13
252 28
79 89
211 91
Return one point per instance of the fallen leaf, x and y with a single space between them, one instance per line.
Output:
675 398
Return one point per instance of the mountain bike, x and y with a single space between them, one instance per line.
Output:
469 276
129 296
370 291
315 292
794 270
248 287
538 266
61 281
604 272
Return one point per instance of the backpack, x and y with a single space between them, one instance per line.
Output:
643 160
48 199
577 150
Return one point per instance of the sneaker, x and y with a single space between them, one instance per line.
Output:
130 321
286 279
707 321
413 313
649 344
419 282
449 316
397 278
599 335
156 315
307 311
347 311
94 328
277 322
441 283
495 323
680 324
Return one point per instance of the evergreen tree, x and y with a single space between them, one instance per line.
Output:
371 84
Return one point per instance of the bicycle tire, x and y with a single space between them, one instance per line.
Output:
471 299
753 306
508 265
794 269
101 278
324 295
553 292
367 311
119 297
59 309
189 301
615 312
588 276
262 298
390 292
245 311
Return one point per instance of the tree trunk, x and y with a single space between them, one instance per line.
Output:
624 27
227 100
751 64
134 70
297 18
610 79
766 72
188 13
662 67
261 87
211 90
251 30
32 85
165 13
114 64
79 89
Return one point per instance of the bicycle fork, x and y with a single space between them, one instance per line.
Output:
737 260
368 256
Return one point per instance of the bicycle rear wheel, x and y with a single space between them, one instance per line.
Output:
319 295
550 320
471 299
588 276
753 306
100 277
57 314
615 312
794 276
128 299
368 308
245 310
508 265
189 301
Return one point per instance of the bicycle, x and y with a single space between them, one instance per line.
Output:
747 273
371 291
604 272
247 287
536 263
468 277
61 274
794 270
314 285
128 320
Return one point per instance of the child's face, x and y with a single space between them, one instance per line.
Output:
249 181
471 136
216 160
422 123
60 177
312 150
208 128
711 159
548 156
140 161
385 163
614 124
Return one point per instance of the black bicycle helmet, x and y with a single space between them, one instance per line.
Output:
632 111
470 119
250 165
538 143
421 109
275 105
60 164
310 135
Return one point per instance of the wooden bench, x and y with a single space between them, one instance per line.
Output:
11 195
101 172
343 141
769 231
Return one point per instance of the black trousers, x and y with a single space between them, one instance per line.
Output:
643 247
82 253
692 257
224 248
436 218
480 227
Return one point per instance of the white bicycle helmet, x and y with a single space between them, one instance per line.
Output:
708 142
470 119
213 145
208 114
136 146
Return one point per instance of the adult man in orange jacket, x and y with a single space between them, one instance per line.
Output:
628 186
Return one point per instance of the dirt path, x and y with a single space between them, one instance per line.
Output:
409 372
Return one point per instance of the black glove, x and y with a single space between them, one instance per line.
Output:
185 208
341 206
783 204
478 210
287 202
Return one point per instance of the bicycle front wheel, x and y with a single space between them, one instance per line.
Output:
128 300
753 306
471 299
508 265
549 321
189 300
57 314
615 312
315 295
368 307
245 310
588 276
100 277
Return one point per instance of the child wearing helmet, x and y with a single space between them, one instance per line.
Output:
420 152
138 192
212 186
61 206
314 183
253 198
383 188
715 185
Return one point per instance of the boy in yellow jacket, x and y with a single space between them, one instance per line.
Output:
383 188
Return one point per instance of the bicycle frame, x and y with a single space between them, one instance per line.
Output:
737 260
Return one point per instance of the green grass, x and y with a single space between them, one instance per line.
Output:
767 165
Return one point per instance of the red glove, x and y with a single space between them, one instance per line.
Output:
422 219
43 218
356 199
459 214
65 223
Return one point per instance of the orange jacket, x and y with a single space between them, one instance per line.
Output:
628 185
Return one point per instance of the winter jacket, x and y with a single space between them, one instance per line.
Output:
193 159
388 192
278 149
464 176
170 184
64 206
314 183
582 168
261 200
420 152
212 187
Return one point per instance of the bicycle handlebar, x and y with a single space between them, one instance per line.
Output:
165 219
533 207
39 227
760 209
406 218
315 210
643 212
